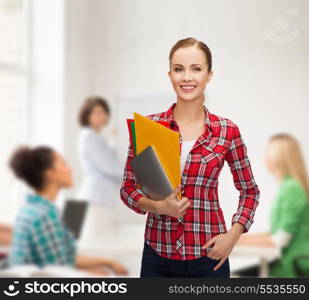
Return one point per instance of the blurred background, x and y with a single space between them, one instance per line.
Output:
54 54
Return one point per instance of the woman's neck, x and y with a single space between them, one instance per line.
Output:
189 111
50 192
96 129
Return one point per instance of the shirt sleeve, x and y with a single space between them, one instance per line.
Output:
130 193
243 180
281 238
293 205
103 157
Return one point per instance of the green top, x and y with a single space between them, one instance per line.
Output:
290 213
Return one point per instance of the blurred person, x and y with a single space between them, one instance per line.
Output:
199 244
100 163
39 236
290 210
102 171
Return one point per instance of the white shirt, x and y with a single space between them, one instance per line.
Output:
102 168
186 147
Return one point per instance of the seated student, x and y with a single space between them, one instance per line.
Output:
39 236
290 210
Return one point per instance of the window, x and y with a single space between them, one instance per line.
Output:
14 82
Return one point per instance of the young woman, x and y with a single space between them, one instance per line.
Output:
39 236
199 245
290 210
100 163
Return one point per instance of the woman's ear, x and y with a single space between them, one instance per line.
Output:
169 75
48 175
209 76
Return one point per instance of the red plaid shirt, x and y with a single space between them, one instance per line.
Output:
183 239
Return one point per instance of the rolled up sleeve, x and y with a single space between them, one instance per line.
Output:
243 180
130 192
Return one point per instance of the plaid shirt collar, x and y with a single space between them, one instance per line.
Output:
205 137
38 199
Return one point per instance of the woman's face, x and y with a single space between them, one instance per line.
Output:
60 173
98 118
189 73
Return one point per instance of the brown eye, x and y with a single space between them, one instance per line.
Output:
197 69
177 69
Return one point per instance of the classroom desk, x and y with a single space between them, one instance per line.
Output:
246 256
130 255
128 251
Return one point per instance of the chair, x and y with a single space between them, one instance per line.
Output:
3 261
299 271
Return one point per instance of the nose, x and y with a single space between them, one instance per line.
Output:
187 76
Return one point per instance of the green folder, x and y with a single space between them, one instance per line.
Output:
133 137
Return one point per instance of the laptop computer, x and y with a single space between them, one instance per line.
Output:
73 215
151 175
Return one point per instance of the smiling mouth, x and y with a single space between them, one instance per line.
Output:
187 88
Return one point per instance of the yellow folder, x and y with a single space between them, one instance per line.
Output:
166 143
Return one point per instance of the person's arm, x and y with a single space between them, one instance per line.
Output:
293 203
257 239
170 205
92 263
244 182
5 238
6 232
243 179
6 228
84 261
103 156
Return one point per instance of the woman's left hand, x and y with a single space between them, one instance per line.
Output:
223 246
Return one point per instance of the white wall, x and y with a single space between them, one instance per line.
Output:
121 47
78 77
46 47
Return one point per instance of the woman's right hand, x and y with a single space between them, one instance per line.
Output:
173 207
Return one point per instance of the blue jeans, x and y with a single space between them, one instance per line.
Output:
154 265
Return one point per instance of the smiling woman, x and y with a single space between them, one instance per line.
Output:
197 245
191 70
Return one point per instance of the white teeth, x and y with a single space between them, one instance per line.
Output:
188 87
